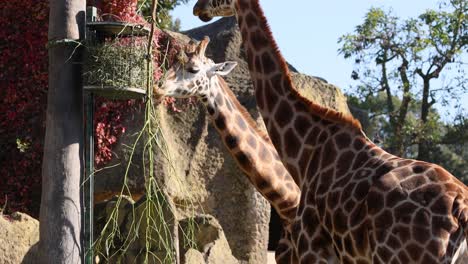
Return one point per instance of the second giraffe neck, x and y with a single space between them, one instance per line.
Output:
291 120
254 153
275 94
268 69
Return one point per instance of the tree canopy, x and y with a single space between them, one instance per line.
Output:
404 68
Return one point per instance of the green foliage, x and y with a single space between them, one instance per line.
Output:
397 64
22 145
449 141
164 19
452 152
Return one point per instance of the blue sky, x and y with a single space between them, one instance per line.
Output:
307 31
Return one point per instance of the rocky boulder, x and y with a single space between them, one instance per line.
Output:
192 240
18 233
211 244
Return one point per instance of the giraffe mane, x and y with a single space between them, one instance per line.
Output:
245 114
324 112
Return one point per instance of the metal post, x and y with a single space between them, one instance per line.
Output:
88 183
88 187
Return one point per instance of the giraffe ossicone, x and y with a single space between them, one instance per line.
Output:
200 77
359 204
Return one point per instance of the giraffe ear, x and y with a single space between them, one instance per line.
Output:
223 68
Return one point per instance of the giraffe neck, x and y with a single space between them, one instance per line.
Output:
254 153
268 69
292 121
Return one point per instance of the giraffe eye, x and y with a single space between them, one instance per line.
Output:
193 70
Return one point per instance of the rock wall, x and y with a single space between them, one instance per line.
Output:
19 235
200 168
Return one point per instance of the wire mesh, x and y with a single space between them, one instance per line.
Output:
115 60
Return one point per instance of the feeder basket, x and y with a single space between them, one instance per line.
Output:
115 64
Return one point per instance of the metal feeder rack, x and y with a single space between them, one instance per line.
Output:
97 34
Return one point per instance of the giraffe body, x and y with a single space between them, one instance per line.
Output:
359 204
252 149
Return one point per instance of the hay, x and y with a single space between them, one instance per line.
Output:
117 64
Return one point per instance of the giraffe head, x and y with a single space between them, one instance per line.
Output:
194 73
207 9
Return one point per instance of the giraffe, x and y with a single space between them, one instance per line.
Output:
199 76
359 204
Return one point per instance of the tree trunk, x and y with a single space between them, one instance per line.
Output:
60 218
395 143
399 148
423 146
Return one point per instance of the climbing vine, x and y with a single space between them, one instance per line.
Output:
23 97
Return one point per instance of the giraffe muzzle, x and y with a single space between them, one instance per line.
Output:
199 10
205 18
158 93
